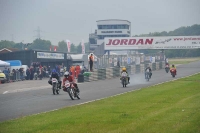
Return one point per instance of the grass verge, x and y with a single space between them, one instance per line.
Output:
169 107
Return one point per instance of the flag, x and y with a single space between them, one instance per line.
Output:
68 45
55 48
83 47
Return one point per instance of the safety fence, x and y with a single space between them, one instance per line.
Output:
17 76
112 72
107 61
13 77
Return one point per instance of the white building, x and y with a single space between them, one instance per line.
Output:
109 28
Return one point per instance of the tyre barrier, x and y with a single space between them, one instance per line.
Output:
113 72
153 66
80 78
137 69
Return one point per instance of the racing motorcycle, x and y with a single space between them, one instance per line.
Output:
167 69
124 79
55 86
71 90
147 76
173 72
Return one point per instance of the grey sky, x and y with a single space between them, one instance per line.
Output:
75 19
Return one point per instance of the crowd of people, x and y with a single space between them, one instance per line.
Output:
40 71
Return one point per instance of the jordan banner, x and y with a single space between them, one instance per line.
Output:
167 42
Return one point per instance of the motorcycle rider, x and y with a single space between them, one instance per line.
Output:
173 68
167 66
54 74
70 79
124 70
148 70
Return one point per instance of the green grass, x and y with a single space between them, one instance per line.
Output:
172 107
182 60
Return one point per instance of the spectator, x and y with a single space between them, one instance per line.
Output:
78 70
72 71
5 71
28 74
31 72
21 71
14 74
91 60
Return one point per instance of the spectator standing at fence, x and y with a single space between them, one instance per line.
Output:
5 71
91 60
72 71
14 74
31 73
21 71
78 69
27 74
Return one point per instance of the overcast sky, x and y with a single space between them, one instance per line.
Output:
75 19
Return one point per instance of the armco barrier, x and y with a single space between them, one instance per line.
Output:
133 69
137 69
112 72
157 66
101 74
160 65
116 71
109 73
142 68
163 64
80 78
153 66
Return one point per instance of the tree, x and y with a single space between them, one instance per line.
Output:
87 47
79 48
6 44
40 44
73 48
62 47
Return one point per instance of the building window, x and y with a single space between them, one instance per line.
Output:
99 26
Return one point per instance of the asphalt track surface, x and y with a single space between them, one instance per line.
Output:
24 98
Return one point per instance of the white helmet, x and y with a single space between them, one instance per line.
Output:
66 74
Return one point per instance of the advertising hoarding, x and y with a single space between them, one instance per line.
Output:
167 42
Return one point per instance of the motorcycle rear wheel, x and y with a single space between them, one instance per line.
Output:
54 88
57 91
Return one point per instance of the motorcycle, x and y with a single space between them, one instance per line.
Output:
71 90
124 79
147 76
55 86
173 72
167 69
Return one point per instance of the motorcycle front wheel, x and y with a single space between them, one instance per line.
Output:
71 93
54 88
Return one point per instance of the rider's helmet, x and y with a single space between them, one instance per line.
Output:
66 74
124 69
173 65
54 71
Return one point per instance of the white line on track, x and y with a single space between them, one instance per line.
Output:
5 92
29 89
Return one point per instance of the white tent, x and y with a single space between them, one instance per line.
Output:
3 63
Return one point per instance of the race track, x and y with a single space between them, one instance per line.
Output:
23 98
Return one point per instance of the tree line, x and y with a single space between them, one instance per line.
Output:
193 30
40 44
